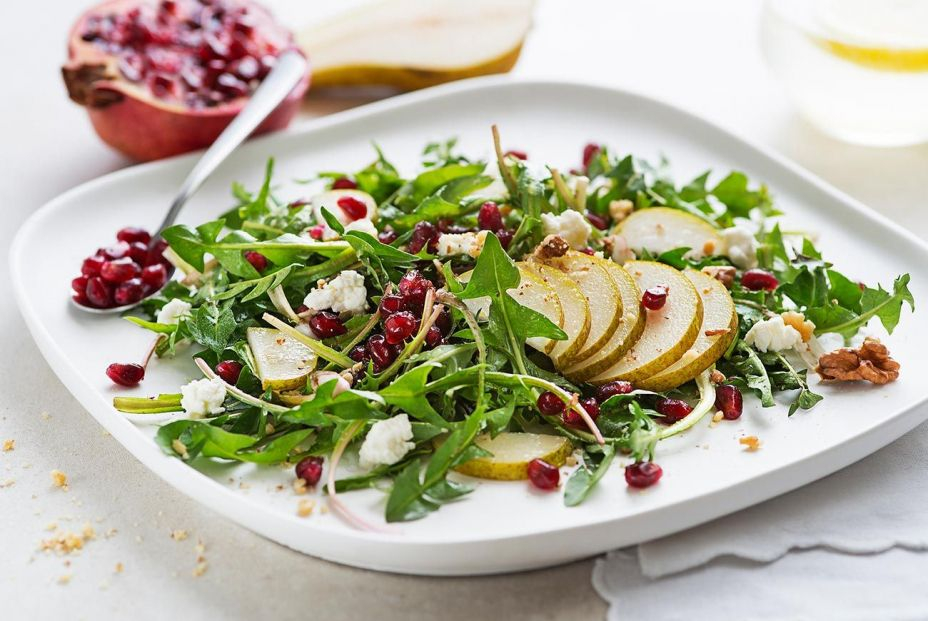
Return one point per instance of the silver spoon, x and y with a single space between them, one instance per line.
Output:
287 72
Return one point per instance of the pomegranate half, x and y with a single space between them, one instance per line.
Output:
162 77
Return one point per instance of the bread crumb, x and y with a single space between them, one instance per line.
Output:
110 533
8 483
88 532
51 526
299 486
65 542
305 507
179 535
9 445
200 548
45 415
751 443
324 509
65 579
717 418
59 479
200 569
118 569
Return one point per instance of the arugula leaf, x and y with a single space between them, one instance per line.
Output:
886 306
733 191
408 392
258 286
211 327
583 480
747 371
430 180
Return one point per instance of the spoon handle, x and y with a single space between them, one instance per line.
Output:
287 72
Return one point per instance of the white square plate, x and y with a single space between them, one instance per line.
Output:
500 526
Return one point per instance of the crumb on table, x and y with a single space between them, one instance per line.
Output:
751 443
59 479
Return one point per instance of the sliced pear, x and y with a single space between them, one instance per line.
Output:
624 337
410 44
282 363
668 332
601 294
576 312
534 293
719 328
512 452
659 229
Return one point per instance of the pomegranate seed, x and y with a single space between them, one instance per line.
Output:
489 217
673 409
391 303
257 260
643 474
550 404
156 255
400 326
309 469
591 405
600 222
155 275
326 324
138 252
353 208
132 234
317 231
129 292
229 371
79 284
380 352
99 293
756 280
413 287
443 323
433 337
126 374
424 235
230 85
543 475
505 237
91 265
359 353
728 399
655 297
588 251
246 68
589 152
119 270
519 155
344 183
116 251
387 236
618 387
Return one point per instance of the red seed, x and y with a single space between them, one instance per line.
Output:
129 292
91 265
600 222
400 326
317 231
728 399
344 183
505 237
326 324
119 270
543 475
359 353
757 280
353 208
155 276
655 297
387 236
310 469
489 217
433 337
99 293
444 323
126 374
79 284
414 287
132 234
116 251
643 474
424 235
673 409
618 387
589 152
229 371
550 404
257 260
572 418
138 252
588 251
380 352
391 303
519 155
156 255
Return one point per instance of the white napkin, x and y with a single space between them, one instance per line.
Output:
878 505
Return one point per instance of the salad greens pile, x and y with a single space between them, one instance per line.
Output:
479 377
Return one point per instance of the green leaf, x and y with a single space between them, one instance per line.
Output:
325 407
212 327
160 328
873 303
432 209
409 391
844 291
406 500
257 286
430 180
583 480
734 193
201 438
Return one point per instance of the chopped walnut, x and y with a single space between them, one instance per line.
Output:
621 209
798 321
716 377
870 362
725 274
751 443
551 247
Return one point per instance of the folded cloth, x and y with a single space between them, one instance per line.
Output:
876 505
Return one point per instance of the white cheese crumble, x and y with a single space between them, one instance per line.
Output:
173 311
202 397
742 246
343 294
387 442
469 243
570 226
773 335
363 225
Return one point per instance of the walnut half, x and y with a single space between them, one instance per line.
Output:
552 247
870 362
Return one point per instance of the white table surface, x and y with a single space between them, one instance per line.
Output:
702 55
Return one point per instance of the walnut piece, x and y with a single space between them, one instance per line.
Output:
551 247
725 274
620 209
870 362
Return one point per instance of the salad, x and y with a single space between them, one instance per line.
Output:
499 320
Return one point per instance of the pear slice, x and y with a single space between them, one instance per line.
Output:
282 362
512 452
576 312
659 229
532 292
624 337
719 328
410 44
601 294
668 332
